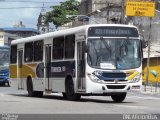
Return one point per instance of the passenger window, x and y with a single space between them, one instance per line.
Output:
58 48
28 52
69 46
38 50
13 56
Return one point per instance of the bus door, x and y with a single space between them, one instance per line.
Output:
48 81
19 70
81 66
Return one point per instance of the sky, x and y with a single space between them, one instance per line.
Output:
27 11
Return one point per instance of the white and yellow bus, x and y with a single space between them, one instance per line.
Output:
87 60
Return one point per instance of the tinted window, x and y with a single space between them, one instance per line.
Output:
58 48
38 50
69 46
13 56
28 52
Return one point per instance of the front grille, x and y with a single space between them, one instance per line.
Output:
120 80
116 86
114 75
2 74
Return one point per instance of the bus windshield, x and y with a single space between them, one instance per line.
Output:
114 53
4 58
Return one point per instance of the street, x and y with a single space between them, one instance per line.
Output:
17 102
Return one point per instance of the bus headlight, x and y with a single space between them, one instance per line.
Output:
136 79
94 78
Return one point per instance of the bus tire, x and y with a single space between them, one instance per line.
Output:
119 97
70 93
8 84
38 93
30 88
64 95
31 92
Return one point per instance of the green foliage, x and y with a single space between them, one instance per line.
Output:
58 13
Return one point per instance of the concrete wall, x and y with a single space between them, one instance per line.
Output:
88 6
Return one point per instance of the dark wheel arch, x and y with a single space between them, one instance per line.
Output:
69 90
31 92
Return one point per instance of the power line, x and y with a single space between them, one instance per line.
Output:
28 1
22 7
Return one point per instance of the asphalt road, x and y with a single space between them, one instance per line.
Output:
17 102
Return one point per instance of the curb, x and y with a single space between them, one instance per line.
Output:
148 90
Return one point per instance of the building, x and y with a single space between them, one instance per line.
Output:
110 13
42 25
21 32
18 30
89 6
6 38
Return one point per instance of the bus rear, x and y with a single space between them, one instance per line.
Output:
114 61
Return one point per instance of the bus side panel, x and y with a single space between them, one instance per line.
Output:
31 70
13 71
13 75
58 84
38 84
59 72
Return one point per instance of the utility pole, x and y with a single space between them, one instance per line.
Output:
149 45
122 12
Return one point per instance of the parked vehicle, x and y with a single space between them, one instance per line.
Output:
4 65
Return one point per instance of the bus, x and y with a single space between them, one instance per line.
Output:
103 59
4 65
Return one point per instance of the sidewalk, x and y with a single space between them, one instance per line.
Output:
151 90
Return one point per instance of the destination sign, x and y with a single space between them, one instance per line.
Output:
112 32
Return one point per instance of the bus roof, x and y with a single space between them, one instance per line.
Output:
64 32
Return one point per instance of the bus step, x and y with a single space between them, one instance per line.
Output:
48 91
81 91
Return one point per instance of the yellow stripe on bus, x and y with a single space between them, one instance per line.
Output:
27 70
133 75
13 71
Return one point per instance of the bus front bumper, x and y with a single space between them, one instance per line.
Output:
121 87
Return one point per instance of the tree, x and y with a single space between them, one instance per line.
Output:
58 14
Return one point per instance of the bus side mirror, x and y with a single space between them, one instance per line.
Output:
144 43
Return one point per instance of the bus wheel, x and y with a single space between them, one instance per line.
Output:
70 93
8 84
32 93
119 97
64 95
38 93
30 88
